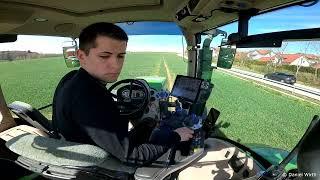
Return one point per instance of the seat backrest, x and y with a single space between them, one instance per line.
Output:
6 120
60 85
31 115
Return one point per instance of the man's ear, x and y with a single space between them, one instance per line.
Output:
81 55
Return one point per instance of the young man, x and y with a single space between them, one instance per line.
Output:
83 108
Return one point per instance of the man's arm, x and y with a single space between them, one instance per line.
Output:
99 119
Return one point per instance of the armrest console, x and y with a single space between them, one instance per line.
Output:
159 169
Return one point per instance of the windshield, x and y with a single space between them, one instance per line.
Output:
256 112
32 66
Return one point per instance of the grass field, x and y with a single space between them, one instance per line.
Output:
255 114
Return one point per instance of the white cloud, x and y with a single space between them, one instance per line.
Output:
46 44
153 49
41 44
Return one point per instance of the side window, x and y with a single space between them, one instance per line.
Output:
255 112
31 68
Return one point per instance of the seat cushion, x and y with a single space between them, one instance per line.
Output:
56 152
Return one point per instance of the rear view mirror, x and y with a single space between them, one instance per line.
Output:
226 55
69 53
5 38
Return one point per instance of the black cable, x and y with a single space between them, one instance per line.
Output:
44 107
207 17
213 11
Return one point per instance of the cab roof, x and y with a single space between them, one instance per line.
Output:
67 18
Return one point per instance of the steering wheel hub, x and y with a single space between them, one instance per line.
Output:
132 97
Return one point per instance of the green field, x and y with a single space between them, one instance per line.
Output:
255 114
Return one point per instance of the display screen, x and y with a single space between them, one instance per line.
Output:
186 88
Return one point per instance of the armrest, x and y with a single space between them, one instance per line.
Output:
160 169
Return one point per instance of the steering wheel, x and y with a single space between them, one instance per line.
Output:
132 97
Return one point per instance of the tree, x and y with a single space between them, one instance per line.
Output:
278 60
271 61
316 47
9 56
305 49
242 57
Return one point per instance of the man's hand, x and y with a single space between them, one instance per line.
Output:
184 133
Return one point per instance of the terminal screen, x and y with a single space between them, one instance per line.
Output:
186 88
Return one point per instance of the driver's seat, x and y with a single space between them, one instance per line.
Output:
60 159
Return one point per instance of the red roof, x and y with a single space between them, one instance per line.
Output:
263 52
241 54
289 58
266 59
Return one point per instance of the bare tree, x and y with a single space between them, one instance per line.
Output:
271 60
242 57
316 47
305 49
279 56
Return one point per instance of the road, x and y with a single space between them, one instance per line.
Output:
300 89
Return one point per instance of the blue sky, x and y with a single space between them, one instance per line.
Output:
287 19
292 18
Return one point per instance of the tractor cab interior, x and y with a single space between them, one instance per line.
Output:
60 159
30 144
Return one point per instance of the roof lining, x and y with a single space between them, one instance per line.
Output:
284 5
86 14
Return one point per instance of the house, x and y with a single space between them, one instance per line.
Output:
299 59
292 59
14 55
240 56
268 59
257 54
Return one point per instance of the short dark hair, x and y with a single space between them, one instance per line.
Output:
89 34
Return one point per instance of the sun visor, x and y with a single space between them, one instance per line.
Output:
150 28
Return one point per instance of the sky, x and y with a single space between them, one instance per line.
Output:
287 19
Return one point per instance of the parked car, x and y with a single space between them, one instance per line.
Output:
282 77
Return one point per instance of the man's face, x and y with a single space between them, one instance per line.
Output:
105 60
